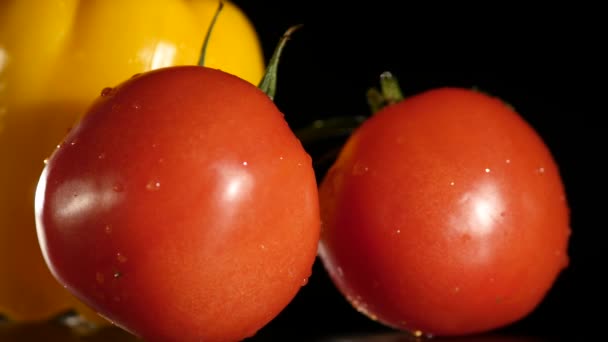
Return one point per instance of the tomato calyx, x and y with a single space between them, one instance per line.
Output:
269 82
333 127
388 94
341 127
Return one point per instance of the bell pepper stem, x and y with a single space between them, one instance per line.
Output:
269 83
201 60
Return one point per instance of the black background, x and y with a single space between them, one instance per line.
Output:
546 62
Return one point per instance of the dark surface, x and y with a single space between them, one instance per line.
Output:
547 64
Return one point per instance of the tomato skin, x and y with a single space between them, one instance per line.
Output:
181 207
51 69
446 214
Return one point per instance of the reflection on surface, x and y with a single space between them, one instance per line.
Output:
74 199
405 337
3 59
57 332
485 205
235 185
54 332
162 55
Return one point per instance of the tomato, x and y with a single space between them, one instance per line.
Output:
444 214
55 56
181 207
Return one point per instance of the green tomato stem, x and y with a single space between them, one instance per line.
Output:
333 127
375 100
389 93
390 88
201 60
269 83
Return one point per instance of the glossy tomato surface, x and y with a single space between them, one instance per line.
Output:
181 207
444 214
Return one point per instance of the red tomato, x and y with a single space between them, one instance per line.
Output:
444 214
181 207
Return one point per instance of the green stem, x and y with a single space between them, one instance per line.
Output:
329 128
201 60
269 83
389 93
390 88
375 100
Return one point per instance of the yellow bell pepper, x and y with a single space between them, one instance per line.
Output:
55 58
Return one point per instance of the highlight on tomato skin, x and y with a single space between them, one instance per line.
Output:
444 214
181 207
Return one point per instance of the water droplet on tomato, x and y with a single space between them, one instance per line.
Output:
452 183
398 231
359 169
45 161
153 185
118 187
101 156
418 333
107 319
508 161
244 163
136 106
487 170
117 275
73 142
540 170
340 272
108 229
121 258
304 281
262 247
106 91
456 289
281 158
